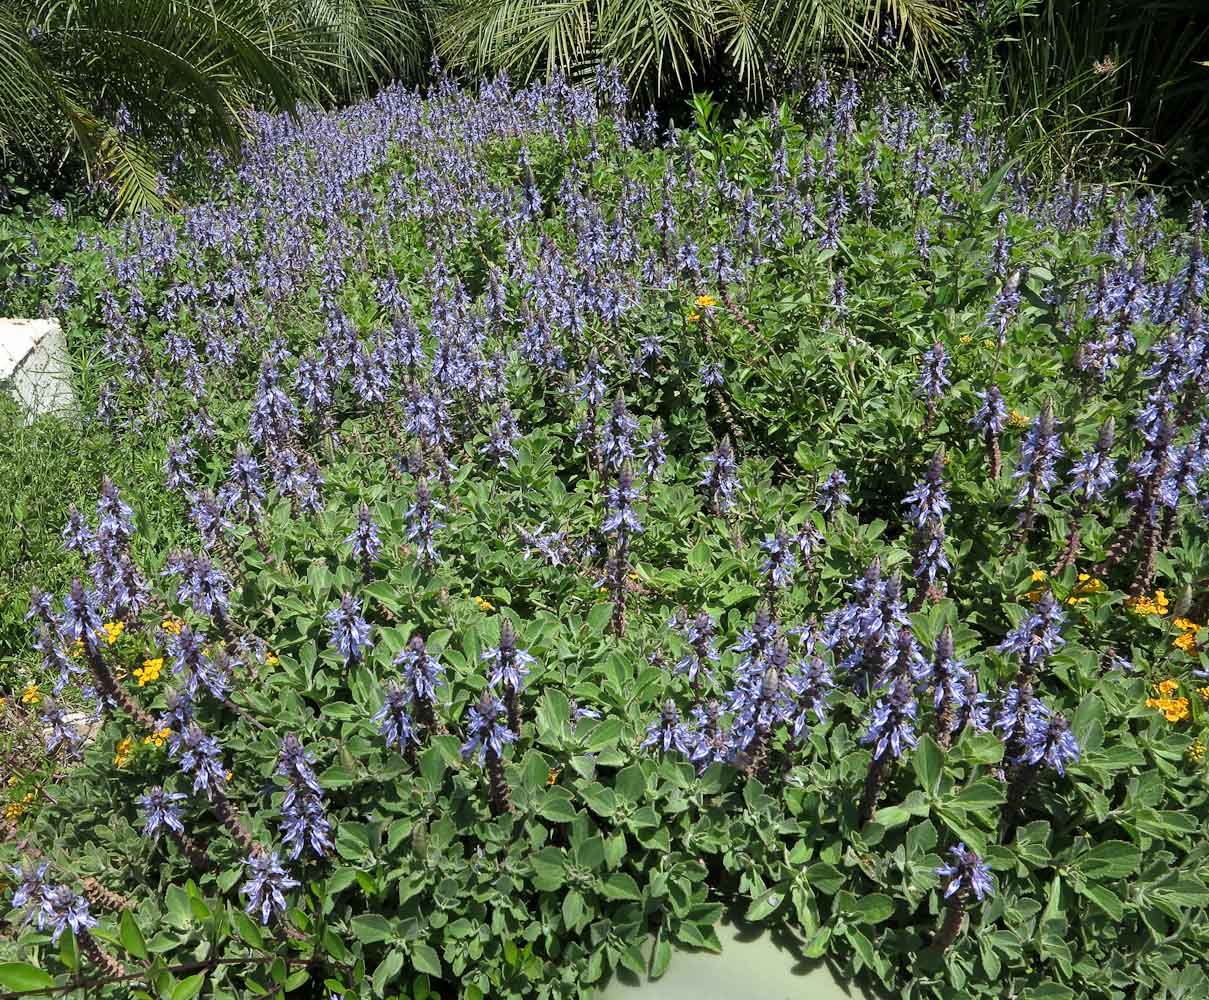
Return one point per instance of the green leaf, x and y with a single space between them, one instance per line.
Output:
248 932
1050 990
921 838
605 734
890 817
599 617
549 868
1104 898
17 976
739 594
370 928
767 903
387 971
132 937
929 764
973 837
590 852
816 947
553 718
1111 859
556 805
983 794
661 955
187 989
871 909
425 959
620 886
573 909
826 878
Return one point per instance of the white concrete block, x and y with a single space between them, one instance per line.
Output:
34 365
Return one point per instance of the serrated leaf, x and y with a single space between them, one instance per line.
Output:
556 806
619 885
425 959
1110 860
1103 897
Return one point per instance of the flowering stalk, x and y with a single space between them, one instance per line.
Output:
891 730
99 895
1039 452
927 505
948 676
364 542
990 420
1152 468
933 380
968 875
98 956
161 813
700 633
778 566
509 668
487 737
721 480
760 711
1093 476
622 523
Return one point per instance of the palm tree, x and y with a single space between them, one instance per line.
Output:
122 82
662 45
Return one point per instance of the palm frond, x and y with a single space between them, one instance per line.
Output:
654 40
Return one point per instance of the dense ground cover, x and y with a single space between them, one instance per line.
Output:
528 533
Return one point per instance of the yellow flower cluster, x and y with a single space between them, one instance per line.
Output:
122 751
31 695
1017 419
1174 709
484 604
113 631
1087 584
1143 605
14 810
172 626
1187 641
149 671
1196 749
693 317
966 339
706 302
157 739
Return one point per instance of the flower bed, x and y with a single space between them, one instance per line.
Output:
569 531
